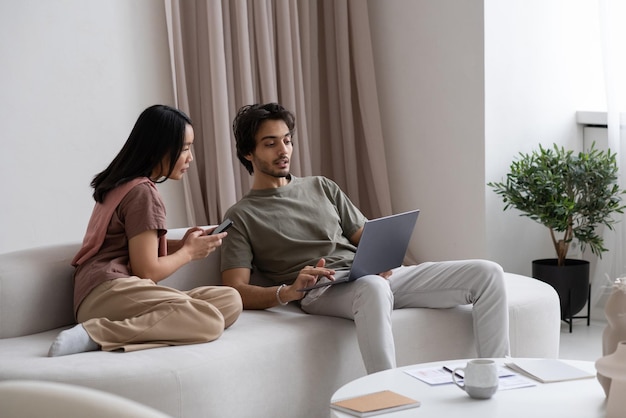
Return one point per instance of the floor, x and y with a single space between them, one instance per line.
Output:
584 342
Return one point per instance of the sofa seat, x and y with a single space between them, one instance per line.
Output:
270 363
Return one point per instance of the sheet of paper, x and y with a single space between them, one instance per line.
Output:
443 375
515 381
432 375
502 371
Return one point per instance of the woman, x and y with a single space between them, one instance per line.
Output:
117 302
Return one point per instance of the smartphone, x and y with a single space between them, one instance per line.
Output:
223 226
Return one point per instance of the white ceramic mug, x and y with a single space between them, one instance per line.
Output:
480 378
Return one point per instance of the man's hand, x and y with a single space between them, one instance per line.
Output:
308 277
386 274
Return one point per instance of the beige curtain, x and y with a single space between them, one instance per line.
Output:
312 56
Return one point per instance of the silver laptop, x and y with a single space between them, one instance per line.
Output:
382 247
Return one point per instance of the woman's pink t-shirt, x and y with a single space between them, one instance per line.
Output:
140 210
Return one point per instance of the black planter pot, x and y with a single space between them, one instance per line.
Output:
570 281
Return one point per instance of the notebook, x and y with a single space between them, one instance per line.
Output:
382 247
378 403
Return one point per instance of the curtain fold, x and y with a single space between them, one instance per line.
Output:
314 57
613 38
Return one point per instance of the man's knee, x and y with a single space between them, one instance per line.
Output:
374 289
490 271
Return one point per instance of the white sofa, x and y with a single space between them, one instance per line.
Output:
274 363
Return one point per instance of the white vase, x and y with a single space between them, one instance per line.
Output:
615 331
613 367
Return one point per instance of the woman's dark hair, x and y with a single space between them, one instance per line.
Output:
247 122
158 132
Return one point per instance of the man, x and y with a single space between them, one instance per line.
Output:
295 231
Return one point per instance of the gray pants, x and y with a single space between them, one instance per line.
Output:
370 300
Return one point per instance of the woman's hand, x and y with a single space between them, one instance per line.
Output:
174 245
199 245
190 231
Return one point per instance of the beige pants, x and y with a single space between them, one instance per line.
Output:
134 314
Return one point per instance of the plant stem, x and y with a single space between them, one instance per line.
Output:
562 246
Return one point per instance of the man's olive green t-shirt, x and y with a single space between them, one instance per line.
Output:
280 231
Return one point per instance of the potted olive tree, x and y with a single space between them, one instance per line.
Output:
572 195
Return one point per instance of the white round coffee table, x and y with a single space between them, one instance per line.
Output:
575 398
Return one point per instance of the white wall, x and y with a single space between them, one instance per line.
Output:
74 77
542 64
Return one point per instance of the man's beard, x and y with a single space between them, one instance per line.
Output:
268 169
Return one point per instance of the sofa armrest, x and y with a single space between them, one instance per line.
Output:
36 290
